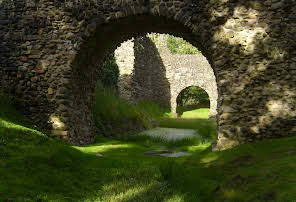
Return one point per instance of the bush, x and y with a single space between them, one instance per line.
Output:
110 72
180 46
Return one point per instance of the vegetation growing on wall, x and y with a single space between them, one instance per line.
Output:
180 46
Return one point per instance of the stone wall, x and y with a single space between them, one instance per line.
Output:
159 75
142 74
51 51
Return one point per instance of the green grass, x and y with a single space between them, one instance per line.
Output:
163 143
109 109
34 167
202 113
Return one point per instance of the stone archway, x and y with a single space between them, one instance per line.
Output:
51 53
212 93
203 100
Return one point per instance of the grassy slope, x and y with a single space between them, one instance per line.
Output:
121 115
35 167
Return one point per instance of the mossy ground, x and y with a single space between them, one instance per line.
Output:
34 167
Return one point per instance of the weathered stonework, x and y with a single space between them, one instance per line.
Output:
149 71
51 52
148 80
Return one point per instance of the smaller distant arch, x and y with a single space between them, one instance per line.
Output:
195 97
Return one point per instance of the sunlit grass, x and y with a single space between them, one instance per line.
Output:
121 115
202 113
164 143
103 148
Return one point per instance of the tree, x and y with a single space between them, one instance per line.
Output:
180 46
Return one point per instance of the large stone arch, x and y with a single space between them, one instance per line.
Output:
51 52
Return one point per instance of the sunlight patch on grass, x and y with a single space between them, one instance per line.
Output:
10 126
209 158
202 113
198 148
176 198
232 194
103 148
125 195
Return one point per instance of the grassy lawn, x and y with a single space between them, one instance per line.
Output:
34 167
202 113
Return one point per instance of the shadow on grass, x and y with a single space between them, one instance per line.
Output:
36 169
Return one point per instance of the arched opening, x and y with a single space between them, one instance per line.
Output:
232 57
86 64
193 102
147 71
54 50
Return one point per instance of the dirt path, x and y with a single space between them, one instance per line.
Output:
171 134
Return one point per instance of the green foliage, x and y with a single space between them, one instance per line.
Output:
153 110
154 37
109 72
191 98
180 46
109 109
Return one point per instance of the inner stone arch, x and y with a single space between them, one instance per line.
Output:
211 94
192 98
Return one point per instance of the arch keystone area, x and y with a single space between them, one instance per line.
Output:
51 52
